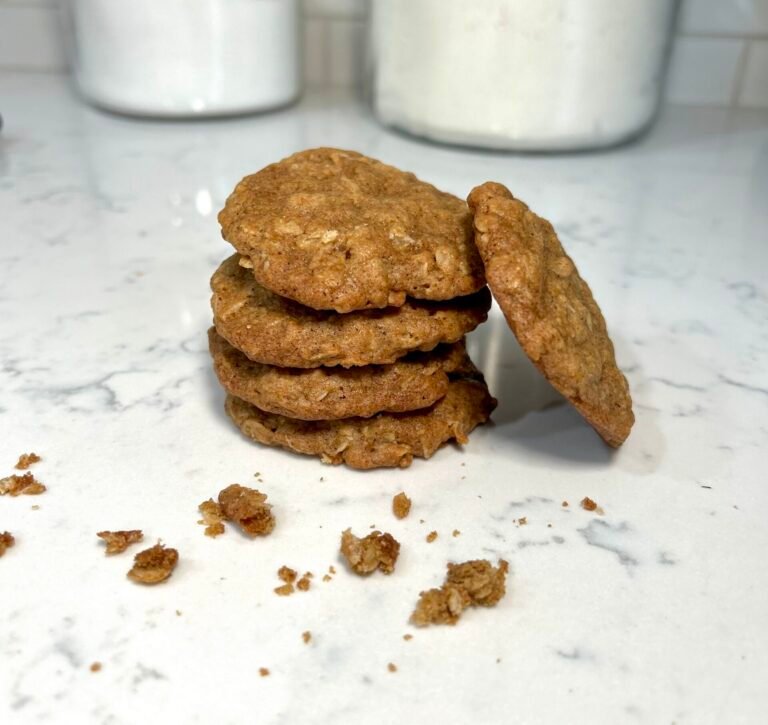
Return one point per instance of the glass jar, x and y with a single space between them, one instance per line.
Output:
185 57
520 74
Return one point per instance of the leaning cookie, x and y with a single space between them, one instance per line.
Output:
386 440
273 330
550 309
336 230
415 381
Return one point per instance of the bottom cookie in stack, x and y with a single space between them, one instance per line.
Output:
383 440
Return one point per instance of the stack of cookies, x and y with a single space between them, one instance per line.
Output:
340 321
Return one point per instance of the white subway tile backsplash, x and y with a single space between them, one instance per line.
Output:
720 55
704 71
724 17
336 8
316 52
754 83
30 37
346 52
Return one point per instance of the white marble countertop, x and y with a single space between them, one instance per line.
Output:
655 612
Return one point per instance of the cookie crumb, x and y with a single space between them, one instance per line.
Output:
247 507
284 590
153 565
6 541
287 574
36 507
118 541
375 551
564 504
327 577
16 485
401 505
431 536
306 636
213 518
472 583
303 584
407 637
26 460
456 533
95 667
263 672
331 569
392 667
588 504
522 521
178 612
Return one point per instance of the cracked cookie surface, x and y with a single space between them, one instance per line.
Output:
337 230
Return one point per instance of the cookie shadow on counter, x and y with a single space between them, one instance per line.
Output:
531 414
215 395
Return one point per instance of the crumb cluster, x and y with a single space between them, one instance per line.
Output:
213 518
118 541
375 551
401 505
248 508
26 460
6 541
153 565
473 583
16 485
289 577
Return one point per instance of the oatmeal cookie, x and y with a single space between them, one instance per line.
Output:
273 330
550 309
385 440
413 382
336 230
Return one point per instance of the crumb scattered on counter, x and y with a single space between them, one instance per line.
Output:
26 460
401 505
118 541
96 667
431 536
306 637
263 672
456 533
154 565
407 637
564 504
287 574
375 551
284 590
35 507
248 508
303 584
472 583
588 504
327 577
392 667
213 518
6 541
178 612
16 485
522 521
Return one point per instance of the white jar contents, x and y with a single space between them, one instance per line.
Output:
186 57
520 74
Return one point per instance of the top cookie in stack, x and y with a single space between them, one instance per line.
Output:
339 324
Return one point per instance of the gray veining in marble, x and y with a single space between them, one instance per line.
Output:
654 612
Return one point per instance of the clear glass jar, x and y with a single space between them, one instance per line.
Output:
185 57
520 74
